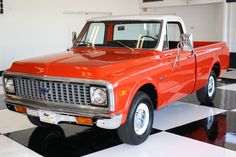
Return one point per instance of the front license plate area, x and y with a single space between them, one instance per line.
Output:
48 117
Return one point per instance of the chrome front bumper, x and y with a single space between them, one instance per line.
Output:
64 114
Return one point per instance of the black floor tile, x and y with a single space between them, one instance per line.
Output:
224 99
67 140
218 130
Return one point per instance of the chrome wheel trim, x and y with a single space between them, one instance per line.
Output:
141 119
210 119
211 86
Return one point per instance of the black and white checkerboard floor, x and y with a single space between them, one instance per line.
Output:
182 129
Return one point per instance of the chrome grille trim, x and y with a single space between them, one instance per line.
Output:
31 89
108 85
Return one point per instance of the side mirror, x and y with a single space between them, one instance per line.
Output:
74 37
186 41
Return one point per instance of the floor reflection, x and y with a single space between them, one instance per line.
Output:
52 142
219 130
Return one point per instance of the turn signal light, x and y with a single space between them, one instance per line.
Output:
85 121
20 109
122 92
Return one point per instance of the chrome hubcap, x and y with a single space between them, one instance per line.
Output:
211 86
141 119
210 119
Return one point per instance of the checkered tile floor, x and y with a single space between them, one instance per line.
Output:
181 129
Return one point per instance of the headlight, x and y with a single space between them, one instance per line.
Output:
9 85
98 96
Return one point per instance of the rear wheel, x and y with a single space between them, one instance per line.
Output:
139 122
208 93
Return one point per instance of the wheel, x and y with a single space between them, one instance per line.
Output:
210 126
139 122
37 122
208 93
45 141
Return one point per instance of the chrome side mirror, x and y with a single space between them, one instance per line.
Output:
186 41
74 37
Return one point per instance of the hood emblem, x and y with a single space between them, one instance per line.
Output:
44 91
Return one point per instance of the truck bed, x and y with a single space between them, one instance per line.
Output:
209 54
198 44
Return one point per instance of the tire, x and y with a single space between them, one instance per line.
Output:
37 122
46 141
211 128
141 110
208 93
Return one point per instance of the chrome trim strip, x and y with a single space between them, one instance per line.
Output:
111 100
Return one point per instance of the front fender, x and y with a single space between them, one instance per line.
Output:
133 92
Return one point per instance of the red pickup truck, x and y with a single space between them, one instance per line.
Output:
118 71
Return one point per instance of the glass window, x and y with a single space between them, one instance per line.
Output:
174 31
95 34
134 31
128 34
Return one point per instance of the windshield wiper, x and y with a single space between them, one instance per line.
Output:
124 45
88 44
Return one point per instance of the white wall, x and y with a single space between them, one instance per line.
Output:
204 21
36 27
167 3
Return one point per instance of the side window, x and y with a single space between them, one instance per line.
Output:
174 31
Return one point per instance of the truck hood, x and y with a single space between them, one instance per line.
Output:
88 64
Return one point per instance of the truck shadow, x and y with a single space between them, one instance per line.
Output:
51 141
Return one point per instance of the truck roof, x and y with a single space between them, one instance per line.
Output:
148 17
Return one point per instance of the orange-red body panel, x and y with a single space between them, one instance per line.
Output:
127 70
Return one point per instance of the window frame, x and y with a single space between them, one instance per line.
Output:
166 35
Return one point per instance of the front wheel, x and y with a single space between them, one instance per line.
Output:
208 93
139 122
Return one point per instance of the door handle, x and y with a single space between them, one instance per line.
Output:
168 54
191 56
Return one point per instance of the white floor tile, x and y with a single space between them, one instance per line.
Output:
166 145
230 75
10 148
231 87
12 121
180 113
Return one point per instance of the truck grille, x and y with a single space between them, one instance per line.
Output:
53 91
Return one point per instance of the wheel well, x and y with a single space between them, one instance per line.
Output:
216 69
151 91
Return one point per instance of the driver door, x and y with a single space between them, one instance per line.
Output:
181 75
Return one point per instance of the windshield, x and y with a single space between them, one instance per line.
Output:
129 34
